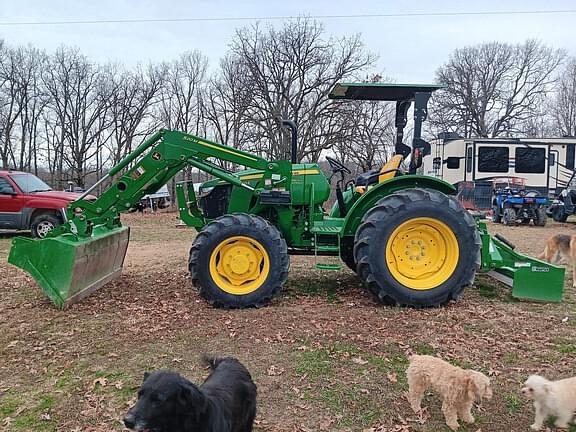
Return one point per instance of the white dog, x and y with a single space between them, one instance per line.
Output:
556 398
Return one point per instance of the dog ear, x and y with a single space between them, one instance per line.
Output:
547 388
146 375
471 388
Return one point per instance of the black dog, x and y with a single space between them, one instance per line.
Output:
167 402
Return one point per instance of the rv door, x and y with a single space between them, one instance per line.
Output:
469 165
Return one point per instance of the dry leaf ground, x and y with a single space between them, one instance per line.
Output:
325 356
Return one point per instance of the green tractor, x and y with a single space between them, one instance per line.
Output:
405 235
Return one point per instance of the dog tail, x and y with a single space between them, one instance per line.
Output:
211 361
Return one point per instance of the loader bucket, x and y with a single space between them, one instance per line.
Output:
529 278
69 268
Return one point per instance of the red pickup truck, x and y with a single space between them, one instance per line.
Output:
26 202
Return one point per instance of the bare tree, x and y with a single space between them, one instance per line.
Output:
226 102
563 108
289 72
80 95
131 108
494 88
179 107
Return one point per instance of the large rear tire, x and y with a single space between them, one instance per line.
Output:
239 261
417 248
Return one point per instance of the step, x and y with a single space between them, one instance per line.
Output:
326 266
326 229
327 248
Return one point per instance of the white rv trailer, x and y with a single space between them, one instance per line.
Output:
545 164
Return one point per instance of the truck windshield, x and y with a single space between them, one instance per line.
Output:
29 183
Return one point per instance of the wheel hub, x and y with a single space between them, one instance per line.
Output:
239 265
422 253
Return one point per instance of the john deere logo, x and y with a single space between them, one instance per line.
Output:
156 156
540 269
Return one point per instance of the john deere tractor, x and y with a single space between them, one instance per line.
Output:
405 235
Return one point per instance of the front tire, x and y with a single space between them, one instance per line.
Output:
417 248
43 223
239 261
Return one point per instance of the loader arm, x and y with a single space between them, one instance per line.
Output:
88 250
155 162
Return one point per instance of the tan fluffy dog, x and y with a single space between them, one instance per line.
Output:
561 246
458 387
551 398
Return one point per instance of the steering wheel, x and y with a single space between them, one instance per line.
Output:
337 166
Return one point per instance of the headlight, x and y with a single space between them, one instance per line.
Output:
203 191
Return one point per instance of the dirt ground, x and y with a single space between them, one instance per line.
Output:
324 354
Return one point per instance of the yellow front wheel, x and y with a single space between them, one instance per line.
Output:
239 265
239 261
417 247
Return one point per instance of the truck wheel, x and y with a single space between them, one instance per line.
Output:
541 218
239 261
43 223
509 216
559 215
417 248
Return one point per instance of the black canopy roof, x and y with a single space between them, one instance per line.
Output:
380 91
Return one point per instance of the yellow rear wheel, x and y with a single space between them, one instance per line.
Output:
239 265
422 253
417 247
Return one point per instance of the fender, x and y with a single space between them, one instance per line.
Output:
381 190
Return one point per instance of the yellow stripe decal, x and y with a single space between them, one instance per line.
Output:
305 171
252 177
227 150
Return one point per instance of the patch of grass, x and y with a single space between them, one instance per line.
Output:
118 384
510 358
322 287
461 363
348 403
8 407
31 419
565 346
315 363
513 403
423 348
487 291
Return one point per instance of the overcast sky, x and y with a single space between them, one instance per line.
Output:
409 48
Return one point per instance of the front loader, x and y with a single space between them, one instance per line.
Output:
405 235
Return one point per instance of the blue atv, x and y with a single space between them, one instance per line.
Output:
512 206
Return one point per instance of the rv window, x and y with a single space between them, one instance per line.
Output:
530 160
453 162
493 159
436 162
570 156
552 159
469 159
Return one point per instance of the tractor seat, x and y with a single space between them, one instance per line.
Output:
389 170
